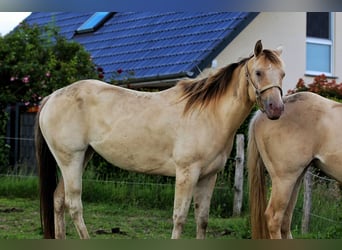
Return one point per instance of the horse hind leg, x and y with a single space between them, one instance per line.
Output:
72 169
202 197
59 201
59 210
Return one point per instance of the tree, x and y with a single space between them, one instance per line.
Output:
35 61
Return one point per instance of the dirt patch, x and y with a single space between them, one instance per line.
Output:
115 230
11 210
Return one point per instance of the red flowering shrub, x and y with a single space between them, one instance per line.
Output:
320 85
122 77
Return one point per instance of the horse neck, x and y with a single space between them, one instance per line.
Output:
236 104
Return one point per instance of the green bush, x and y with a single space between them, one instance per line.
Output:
4 148
35 61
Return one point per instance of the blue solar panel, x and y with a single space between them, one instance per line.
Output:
149 43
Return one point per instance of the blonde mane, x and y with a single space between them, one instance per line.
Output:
202 92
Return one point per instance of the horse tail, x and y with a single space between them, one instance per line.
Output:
257 187
47 168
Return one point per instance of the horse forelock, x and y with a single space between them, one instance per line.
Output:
271 56
201 93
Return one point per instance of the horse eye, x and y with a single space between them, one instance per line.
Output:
258 73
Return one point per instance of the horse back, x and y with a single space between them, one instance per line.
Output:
106 117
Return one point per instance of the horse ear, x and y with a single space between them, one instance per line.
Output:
258 48
279 50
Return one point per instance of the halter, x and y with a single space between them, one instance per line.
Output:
259 92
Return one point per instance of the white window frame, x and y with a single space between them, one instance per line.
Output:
328 42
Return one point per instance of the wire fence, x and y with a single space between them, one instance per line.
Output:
321 179
113 182
16 138
324 213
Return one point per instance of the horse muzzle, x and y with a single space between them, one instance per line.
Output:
273 108
272 102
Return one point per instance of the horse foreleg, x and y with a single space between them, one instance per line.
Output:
202 197
59 211
185 183
280 196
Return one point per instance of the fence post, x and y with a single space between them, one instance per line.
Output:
238 180
307 201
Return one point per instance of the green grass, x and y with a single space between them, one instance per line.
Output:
144 211
19 219
326 218
19 186
140 211
145 193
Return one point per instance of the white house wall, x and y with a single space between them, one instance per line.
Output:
286 29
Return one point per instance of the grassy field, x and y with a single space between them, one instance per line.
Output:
144 211
19 219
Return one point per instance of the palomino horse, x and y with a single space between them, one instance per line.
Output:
186 131
308 132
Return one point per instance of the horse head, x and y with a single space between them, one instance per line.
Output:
265 73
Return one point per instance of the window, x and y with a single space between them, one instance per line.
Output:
94 22
319 43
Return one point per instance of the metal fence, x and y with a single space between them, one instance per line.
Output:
20 137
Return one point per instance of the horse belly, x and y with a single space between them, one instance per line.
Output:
137 156
134 133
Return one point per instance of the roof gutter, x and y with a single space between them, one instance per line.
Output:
158 81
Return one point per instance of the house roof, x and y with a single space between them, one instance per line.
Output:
155 46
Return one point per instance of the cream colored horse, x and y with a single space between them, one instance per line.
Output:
186 131
308 132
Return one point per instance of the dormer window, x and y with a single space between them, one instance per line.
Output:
94 22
